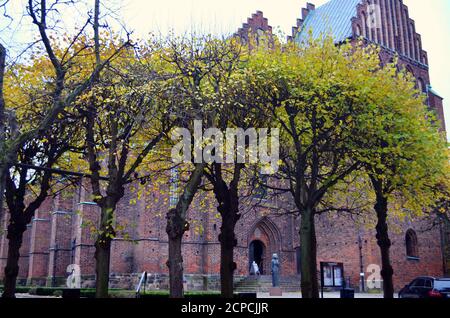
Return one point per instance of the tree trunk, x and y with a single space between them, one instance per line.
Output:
387 272
308 246
228 208
103 253
176 227
229 211
228 242
15 235
102 262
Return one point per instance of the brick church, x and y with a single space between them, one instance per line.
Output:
347 250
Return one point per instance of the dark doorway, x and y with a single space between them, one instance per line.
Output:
256 253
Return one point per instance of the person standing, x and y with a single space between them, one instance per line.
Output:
255 269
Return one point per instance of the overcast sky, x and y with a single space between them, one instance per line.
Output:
225 16
432 22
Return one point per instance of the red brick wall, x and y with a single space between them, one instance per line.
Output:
396 31
40 244
338 242
337 237
436 104
251 29
61 241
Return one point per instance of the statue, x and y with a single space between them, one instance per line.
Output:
275 271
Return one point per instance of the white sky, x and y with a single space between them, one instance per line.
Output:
218 16
226 16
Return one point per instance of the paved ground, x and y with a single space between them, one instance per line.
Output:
260 295
326 295
32 296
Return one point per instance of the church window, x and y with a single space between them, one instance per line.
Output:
364 24
421 85
411 244
358 31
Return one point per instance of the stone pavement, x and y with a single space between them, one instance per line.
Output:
32 296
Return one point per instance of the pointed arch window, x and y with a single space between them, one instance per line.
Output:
421 85
411 244
364 30
358 31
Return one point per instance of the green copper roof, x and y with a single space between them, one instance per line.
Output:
334 17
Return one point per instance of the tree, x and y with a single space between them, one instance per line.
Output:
315 93
403 153
177 225
26 187
240 111
202 66
61 62
125 116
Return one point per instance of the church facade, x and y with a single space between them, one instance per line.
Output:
347 251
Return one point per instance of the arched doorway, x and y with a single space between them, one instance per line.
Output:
264 239
256 253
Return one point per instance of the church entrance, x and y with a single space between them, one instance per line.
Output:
257 253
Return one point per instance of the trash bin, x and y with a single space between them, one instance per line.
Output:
347 293
69 293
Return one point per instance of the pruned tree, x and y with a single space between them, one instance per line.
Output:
27 188
318 104
404 155
61 53
125 115
229 175
201 65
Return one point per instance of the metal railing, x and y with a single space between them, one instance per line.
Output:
142 283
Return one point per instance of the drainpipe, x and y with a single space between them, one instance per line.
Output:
444 265
444 228
54 266
72 250
361 263
428 88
